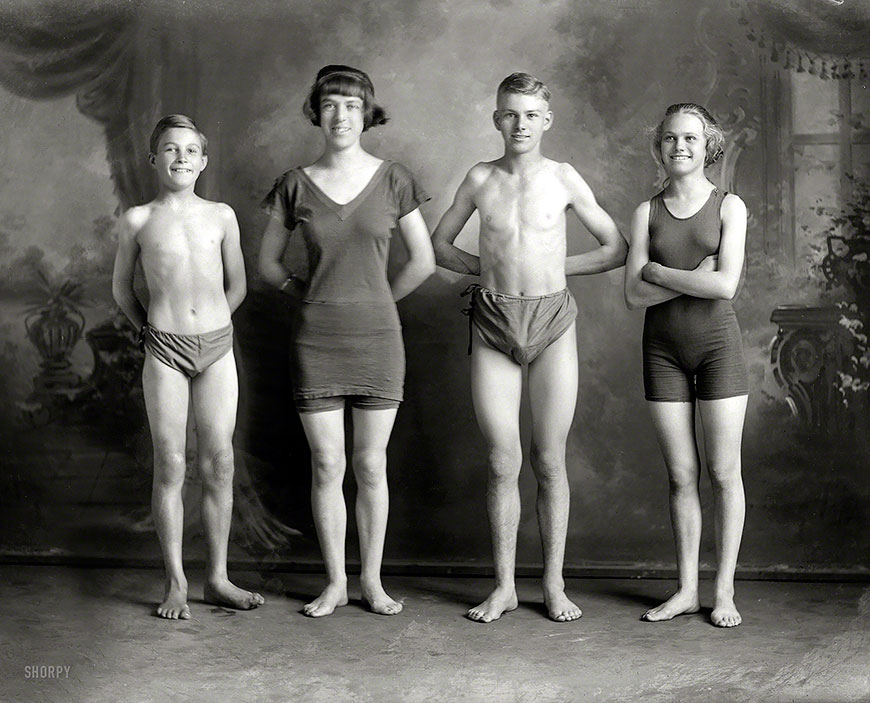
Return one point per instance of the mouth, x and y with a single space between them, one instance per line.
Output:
181 169
680 157
341 130
520 137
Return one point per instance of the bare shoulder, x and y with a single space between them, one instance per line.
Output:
134 219
580 195
218 212
224 211
136 216
643 209
480 172
568 174
733 206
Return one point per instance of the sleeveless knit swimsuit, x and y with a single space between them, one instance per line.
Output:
692 347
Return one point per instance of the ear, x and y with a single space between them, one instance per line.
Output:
548 120
496 119
204 162
152 159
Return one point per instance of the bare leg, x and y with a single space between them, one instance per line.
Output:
675 426
723 435
215 394
166 400
325 433
371 433
496 389
553 396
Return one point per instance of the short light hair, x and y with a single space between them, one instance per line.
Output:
523 84
713 134
171 122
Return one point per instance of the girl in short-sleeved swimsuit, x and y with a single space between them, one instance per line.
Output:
347 347
348 340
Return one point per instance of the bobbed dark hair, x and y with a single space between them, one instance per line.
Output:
337 79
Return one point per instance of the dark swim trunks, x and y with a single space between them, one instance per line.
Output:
191 354
518 325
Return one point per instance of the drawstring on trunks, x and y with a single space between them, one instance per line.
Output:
471 290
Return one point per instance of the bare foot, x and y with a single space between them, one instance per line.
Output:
500 601
224 593
333 596
376 598
560 608
682 602
174 605
725 613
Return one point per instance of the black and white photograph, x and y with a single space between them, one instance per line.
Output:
435 351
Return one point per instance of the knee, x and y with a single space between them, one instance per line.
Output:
169 469
504 463
370 467
548 463
683 480
327 466
216 467
725 475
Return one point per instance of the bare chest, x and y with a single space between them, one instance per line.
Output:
193 235
514 205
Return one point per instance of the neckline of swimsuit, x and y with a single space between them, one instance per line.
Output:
344 210
694 214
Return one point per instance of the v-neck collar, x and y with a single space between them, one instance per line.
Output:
345 210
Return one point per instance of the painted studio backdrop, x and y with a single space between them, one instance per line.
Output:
82 84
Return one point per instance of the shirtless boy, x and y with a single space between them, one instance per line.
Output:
523 314
192 259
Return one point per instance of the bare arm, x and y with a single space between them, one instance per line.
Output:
125 266
721 283
269 263
235 285
638 292
446 254
611 252
421 260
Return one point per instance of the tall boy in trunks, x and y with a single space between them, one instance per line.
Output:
190 254
523 314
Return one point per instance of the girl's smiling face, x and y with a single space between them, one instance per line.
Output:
684 146
342 118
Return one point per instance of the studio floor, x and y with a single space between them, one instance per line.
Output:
88 634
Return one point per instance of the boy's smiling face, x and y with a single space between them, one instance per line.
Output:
179 159
522 120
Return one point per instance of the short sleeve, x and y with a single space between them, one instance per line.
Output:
281 200
409 194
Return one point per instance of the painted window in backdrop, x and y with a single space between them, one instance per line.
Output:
824 139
